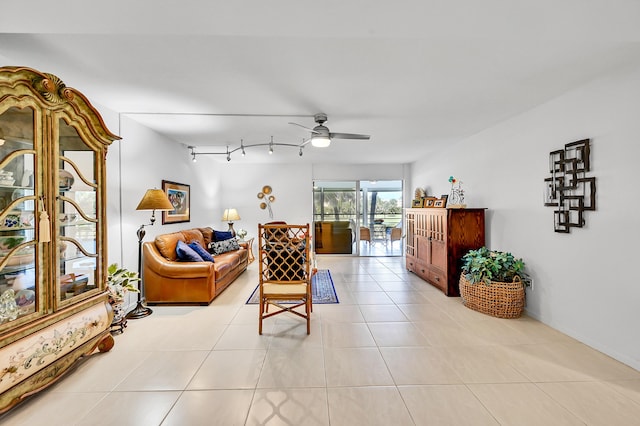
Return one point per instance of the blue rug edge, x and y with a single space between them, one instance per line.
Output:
333 287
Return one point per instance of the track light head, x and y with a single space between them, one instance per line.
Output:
300 153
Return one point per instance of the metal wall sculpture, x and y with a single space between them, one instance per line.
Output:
569 189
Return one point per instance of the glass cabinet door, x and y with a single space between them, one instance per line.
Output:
19 288
75 215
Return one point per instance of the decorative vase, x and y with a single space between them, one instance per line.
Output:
119 321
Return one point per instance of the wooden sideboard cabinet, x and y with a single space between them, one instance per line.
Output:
54 305
437 239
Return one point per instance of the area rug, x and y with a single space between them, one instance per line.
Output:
322 289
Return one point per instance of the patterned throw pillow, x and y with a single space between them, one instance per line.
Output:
186 253
201 251
220 247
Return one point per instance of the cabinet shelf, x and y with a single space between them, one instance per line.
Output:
16 228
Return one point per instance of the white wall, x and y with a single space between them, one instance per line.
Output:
147 158
583 285
291 184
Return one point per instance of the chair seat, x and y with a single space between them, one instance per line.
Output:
285 289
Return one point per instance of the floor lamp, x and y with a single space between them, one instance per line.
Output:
154 199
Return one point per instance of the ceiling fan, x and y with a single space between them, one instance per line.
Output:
321 136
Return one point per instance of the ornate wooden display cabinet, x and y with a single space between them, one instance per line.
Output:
436 241
53 305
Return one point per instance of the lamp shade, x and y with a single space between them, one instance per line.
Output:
230 215
155 199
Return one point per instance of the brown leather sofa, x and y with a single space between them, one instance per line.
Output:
333 237
168 280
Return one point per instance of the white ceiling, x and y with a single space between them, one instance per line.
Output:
415 75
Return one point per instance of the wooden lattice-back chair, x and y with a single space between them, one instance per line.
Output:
284 270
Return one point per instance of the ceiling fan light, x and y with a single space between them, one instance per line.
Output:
320 141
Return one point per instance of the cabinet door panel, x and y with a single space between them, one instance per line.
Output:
76 215
422 248
439 255
19 283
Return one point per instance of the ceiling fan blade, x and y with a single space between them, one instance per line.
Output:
304 127
349 136
304 143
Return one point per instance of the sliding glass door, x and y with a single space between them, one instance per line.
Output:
358 217
334 217
380 215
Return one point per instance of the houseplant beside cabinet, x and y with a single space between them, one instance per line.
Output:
119 282
493 282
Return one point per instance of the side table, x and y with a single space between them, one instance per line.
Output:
249 243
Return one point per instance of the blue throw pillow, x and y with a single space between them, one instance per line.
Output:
220 247
186 253
201 251
221 236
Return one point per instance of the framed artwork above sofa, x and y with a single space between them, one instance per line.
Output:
180 196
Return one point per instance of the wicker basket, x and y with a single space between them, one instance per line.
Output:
502 300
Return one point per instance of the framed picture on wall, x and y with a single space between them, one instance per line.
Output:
180 197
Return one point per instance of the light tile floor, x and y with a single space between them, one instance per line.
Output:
394 351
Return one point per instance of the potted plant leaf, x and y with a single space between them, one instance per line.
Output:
493 282
119 282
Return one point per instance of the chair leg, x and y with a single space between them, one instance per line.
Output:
308 309
260 317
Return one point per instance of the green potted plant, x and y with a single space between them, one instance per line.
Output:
493 282
119 282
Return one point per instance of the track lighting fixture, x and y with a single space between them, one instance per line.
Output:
227 153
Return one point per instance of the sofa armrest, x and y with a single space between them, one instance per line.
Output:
171 269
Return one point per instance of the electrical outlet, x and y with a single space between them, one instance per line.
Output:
531 284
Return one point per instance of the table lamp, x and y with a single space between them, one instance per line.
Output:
230 215
154 199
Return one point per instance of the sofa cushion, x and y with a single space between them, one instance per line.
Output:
167 243
219 247
186 253
201 251
193 235
222 235
207 236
